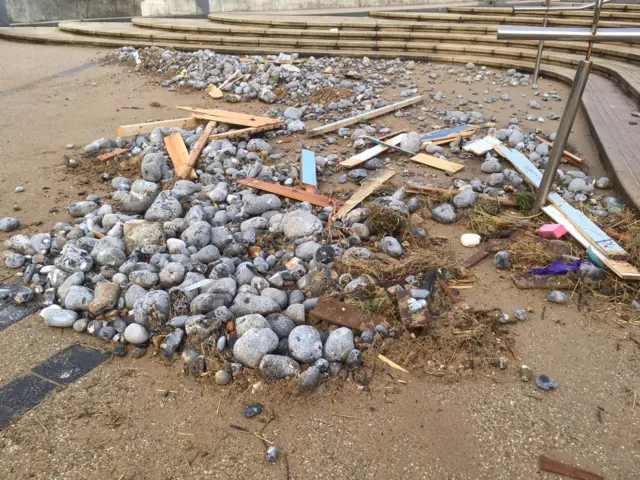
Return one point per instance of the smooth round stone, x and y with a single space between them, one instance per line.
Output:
60 318
367 336
136 334
339 344
80 325
9 224
223 377
272 454
304 344
107 333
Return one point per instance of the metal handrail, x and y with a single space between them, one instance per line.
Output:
586 6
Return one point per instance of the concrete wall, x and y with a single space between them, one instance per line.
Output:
23 11
283 5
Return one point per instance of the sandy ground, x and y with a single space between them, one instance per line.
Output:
139 419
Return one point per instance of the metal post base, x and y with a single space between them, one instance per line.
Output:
566 122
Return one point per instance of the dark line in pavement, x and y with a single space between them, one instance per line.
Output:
65 73
65 367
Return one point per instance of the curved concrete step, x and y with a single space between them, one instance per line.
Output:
194 27
514 11
500 19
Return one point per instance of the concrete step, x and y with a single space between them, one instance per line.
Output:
623 51
500 19
473 45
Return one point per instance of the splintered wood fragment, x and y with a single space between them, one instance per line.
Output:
438 163
111 155
556 466
244 132
187 168
526 281
234 118
290 192
447 290
410 322
368 186
414 188
482 146
453 132
145 128
214 92
177 151
570 157
342 314
365 116
391 363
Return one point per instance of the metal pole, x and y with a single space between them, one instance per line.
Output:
539 57
557 151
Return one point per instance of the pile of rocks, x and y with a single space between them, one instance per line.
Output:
186 262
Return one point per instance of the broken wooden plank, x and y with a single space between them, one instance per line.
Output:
619 267
244 132
308 168
522 164
590 230
214 92
290 192
556 466
387 145
368 186
234 118
365 116
342 314
569 157
482 146
146 128
438 163
108 156
528 281
187 168
414 188
410 321
370 153
177 151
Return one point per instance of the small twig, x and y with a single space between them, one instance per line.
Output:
242 394
43 427
185 434
218 409
187 462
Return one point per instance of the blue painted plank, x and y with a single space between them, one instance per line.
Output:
309 168
522 164
590 230
446 132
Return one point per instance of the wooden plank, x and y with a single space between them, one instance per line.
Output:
413 188
546 282
108 156
365 116
342 314
233 118
555 466
522 164
592 233
389 146
370 153
187 168
368 186
590 230
308 168
290 192
438 163
244 132
145 128
619 267
570 157
177 151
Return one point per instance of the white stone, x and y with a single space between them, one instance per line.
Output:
470 240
